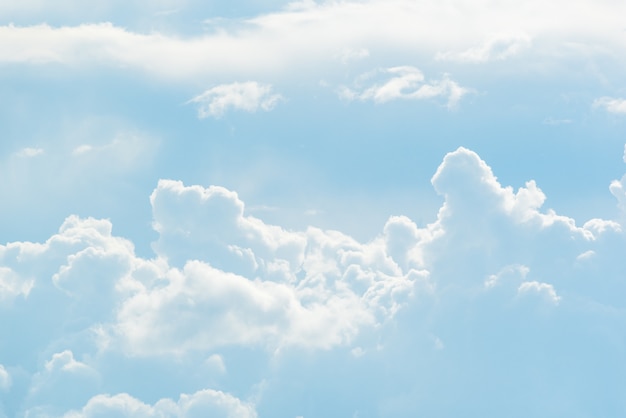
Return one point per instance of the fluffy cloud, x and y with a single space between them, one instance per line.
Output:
402 83
204 403
611 105
63 383
493 270
249 96
254 284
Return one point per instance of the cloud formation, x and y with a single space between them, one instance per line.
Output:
204 403
249 96
298 40
498 48
222 281
611 104
406 83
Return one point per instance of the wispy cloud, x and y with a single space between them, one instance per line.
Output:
611 104
498 48
29 152
406 83
556 122
249 96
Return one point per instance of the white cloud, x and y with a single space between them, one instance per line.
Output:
497 48
5 378
618 189
406 83
611 105
12 285
250 283
126 150
508 272
29 152
299 40
204 403
63 382
249 96
224 281
215 363
545 289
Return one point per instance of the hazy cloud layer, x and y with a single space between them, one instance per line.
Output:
310 35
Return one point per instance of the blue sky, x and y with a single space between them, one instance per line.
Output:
312 209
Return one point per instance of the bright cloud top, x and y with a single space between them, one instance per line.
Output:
407 83
222 280
205 403
249 96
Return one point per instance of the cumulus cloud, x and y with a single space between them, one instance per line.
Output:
249 96
204 403
12 285
64 382
611 104
404 82
251 283
224 281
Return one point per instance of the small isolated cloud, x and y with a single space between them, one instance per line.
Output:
357 352
497 48
404 82
249 96
611 105
618 189
82 149
544 289
215 363
29 152
556 122
5 378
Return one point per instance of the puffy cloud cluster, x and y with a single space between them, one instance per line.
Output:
204 403
222 280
